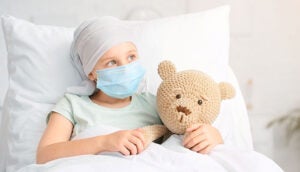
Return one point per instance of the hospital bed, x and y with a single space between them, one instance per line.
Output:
40 70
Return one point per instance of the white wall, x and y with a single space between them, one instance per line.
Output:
265 54
265 49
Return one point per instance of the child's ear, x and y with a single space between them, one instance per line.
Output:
92 76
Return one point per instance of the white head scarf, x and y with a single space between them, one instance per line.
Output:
92 39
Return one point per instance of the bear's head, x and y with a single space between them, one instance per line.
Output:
188 97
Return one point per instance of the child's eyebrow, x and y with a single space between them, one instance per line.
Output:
107 58
133 50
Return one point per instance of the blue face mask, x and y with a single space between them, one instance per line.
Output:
120 82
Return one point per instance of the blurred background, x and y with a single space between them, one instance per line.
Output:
264 54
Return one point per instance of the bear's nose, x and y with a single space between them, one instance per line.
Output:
183 109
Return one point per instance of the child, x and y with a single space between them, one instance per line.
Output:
107 60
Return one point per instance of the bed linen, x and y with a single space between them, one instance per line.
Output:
169 156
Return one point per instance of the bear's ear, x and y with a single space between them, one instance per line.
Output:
227 90
166 69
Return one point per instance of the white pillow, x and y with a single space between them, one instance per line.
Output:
190 41
40 69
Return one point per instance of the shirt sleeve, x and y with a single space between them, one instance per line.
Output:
64 108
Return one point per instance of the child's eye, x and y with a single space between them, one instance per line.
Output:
111 63
131 57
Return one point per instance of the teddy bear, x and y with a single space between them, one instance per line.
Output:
188 97
185 98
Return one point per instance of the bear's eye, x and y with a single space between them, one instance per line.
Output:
178 96
200 102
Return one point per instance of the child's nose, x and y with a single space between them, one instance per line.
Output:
123 62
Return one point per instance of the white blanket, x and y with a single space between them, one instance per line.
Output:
170 156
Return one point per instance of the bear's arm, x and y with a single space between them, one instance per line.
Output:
154 132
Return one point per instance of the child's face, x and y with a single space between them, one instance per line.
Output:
118 55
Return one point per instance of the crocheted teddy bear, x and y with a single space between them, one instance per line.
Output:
188 97
185 98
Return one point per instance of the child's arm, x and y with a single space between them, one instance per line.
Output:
55 142
202 138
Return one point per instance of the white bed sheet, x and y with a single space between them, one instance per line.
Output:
170 156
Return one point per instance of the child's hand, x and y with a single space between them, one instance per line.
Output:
127 142
202 138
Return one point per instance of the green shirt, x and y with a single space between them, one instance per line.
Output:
84 113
